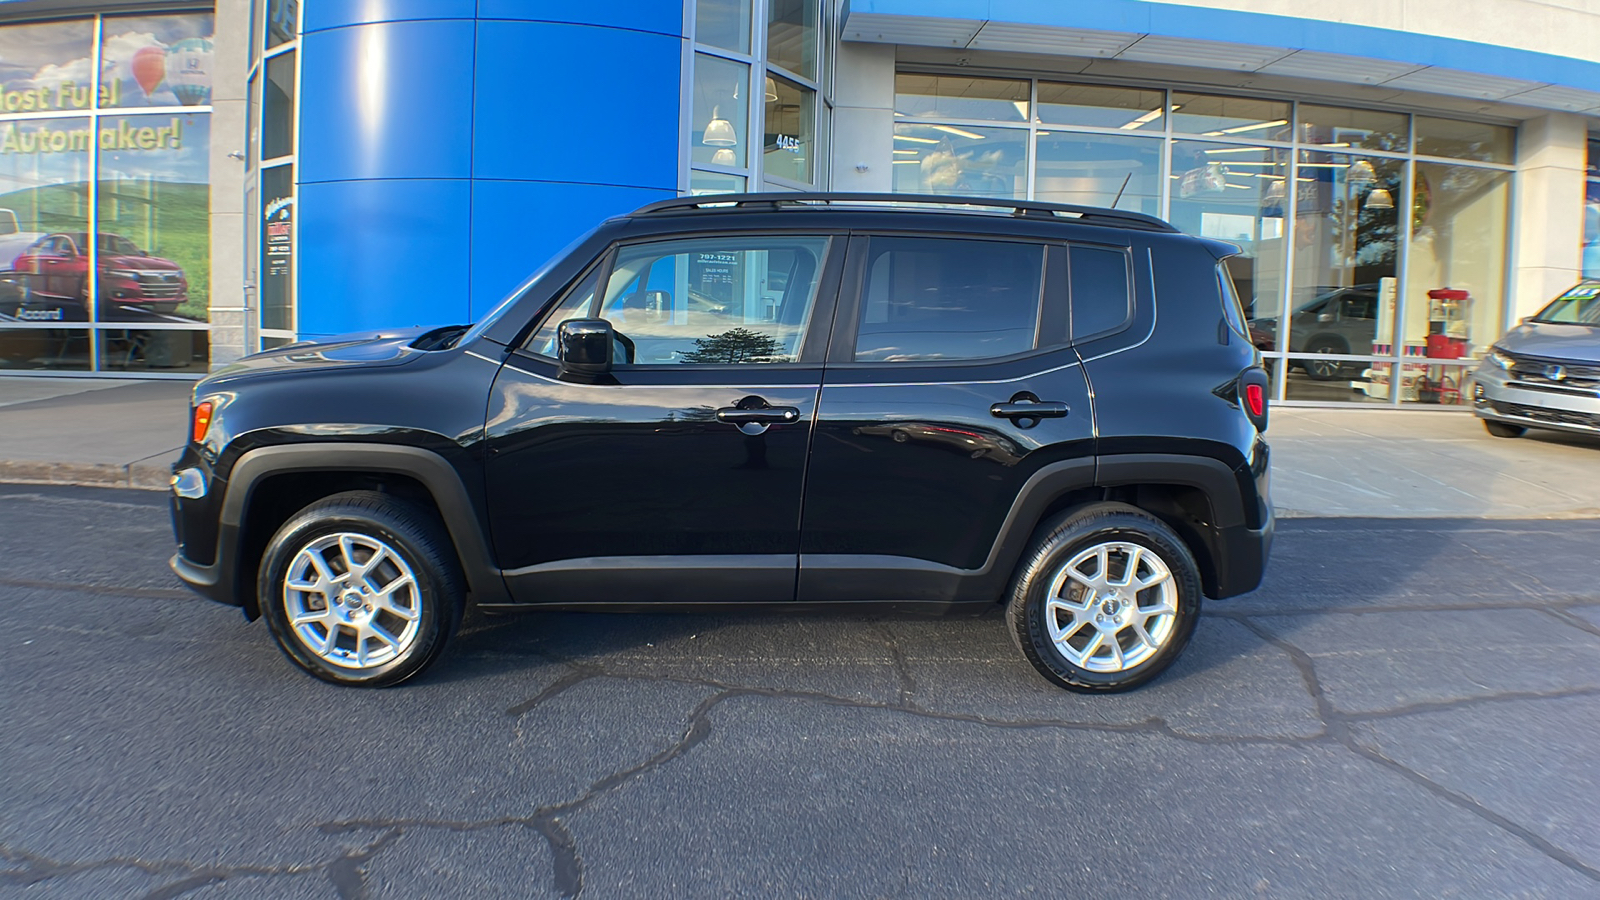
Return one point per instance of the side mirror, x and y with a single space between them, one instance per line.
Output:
583 347
1325 317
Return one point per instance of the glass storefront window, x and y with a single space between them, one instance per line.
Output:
723 23
970 161
792 36
1099 170
791 124
155 218
1455 294
150 350
156 61
701 183
1591 212
277 102
283 21
1211 115
1343 286
55 349
276 272
1465 140
47 67
718 134
1236 193
44 195
1100 106
1337 126
960 97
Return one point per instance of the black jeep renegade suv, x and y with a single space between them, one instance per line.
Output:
767 399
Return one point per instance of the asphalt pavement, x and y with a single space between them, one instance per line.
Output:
1407 708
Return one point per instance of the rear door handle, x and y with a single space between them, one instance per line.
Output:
771 415
1025 410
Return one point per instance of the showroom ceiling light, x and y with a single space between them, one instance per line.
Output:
725 157
959 132
915 140
1380 198
719 131
1254 127
1361 173
1145 119
771 90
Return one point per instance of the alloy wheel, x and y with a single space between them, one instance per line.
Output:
352 600
1111 607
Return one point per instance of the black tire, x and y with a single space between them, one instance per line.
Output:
1504 429
1057 543
1324 370
411 533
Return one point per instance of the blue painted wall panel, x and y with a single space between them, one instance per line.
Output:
576 103
322 14
376 254
660 16
391 100
517 225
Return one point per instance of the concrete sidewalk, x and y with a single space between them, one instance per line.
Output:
1326 462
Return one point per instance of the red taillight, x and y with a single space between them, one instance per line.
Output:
202 421
1255 398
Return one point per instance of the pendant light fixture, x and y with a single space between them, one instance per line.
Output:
771 90
725 157
719 131
1380 198
1360 174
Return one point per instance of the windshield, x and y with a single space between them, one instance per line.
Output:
494 316
1579 306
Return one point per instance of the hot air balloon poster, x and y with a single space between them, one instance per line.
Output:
148 61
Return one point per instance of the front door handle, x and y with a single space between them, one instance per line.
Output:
1025 410
753 416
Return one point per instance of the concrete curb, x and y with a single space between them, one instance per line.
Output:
138 476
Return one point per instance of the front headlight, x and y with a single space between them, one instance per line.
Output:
130 274
1500 358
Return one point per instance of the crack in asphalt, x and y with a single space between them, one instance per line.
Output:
1338 727
344 872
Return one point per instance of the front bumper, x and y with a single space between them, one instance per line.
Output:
1500 396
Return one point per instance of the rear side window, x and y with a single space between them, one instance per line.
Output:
1099 279
926 299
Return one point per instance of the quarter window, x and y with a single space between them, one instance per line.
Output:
937 299
1099 281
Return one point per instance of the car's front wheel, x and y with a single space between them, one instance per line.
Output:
1106 599
361 588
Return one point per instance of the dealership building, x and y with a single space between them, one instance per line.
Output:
1405 178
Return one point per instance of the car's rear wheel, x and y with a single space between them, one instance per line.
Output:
1107 599
1503 429
361 588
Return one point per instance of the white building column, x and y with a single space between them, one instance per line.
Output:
1547 224
232 322
863 117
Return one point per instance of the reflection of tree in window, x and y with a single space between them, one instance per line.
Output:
736 345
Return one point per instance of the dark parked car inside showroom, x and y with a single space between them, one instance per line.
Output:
1340 320
834 401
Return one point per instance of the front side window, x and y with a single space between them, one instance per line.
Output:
929 299
708 301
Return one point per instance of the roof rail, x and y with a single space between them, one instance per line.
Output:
1088 215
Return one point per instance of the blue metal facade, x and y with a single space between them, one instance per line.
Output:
449 146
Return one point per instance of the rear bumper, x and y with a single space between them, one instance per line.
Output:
1241 559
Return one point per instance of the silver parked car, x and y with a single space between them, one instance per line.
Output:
1545 373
